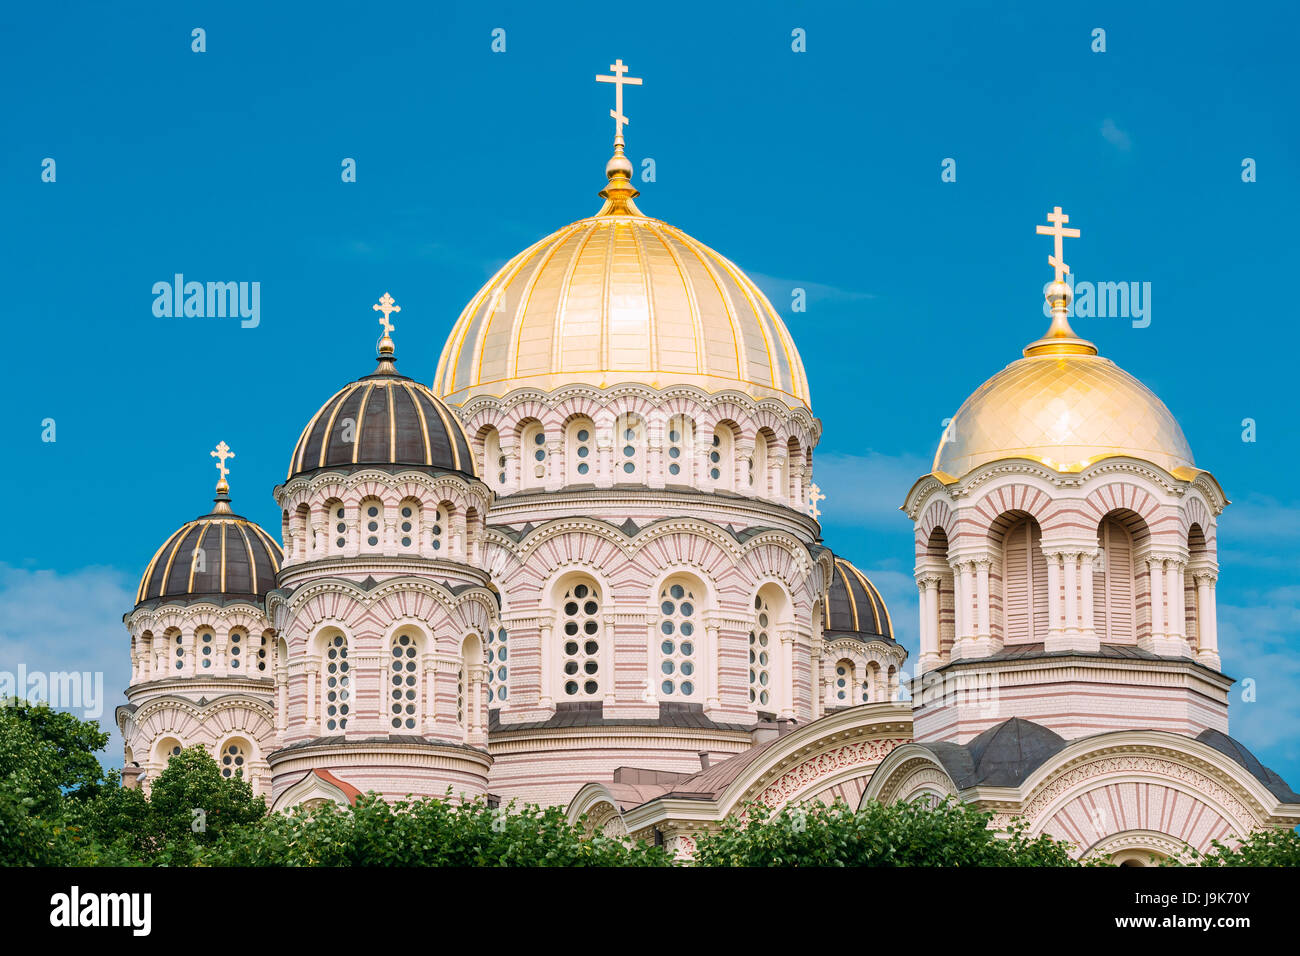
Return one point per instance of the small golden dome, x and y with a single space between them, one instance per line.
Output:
1064 406
620 297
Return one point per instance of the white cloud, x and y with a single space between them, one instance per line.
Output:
1116 136
53 622
780 291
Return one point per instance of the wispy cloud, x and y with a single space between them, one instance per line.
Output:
52 622
781 291
1116 136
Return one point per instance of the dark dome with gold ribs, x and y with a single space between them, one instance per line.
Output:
386 420
854 607
220 556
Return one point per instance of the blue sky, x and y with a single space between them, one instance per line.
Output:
819 170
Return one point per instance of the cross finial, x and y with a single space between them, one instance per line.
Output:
814 495
1057 229
618 79
221 453
387 306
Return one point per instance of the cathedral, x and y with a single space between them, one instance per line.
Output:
583 567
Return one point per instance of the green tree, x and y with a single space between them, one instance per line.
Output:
190 806
424 832
1268 847
47 764
900 834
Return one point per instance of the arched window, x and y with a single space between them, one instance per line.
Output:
679 448
301 531
460 695
498 654
207 643
1024 582
845 682
438 532
236 648
532 454
761 646
336 683
234 759
494 460
1114 593
167 748
180 651
261 652
629 448
793 471
580 450
580 650
678 641
404 683
408 525
871 688
722 467
337 533
758 464
372 523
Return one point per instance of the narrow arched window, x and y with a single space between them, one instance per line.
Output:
180 653
580 651
404 683
680 440
678 619
533 454
845 682
207 648
234 759
408 524
437 534
629 447
494 459
336 683
372 518
722 461
580 450
338 531
760 654
498 654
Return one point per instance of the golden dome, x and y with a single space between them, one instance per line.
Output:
620 297
1065 406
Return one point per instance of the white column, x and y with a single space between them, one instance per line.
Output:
1207 624
929 587
984 624
1054 630
1157 599
787 660
713 650
1071 561
1089 626
313 667
1177 623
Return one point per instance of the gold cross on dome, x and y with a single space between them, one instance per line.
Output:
618 79
387 306
221 454
1057 229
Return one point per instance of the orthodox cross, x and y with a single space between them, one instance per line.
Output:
1057 229
221 454
618 79
814 495
387 306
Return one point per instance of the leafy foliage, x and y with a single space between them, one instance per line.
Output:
425 832
901 834
1261 848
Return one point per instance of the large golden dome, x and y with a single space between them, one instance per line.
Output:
1065 406
620 297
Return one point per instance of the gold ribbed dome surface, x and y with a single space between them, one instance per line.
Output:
1066 410
620 297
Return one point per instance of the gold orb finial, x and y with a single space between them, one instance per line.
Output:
1060 338
222 500
386 349
619 192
